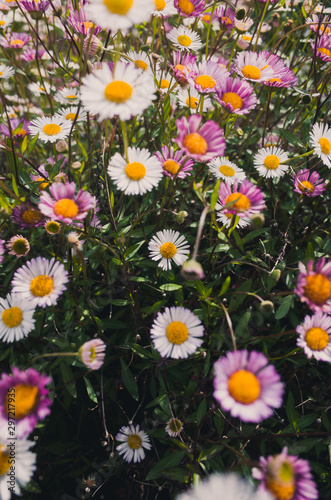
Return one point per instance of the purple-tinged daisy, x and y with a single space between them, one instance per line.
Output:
270 140
18 245
92 353
320 138
253 66
236 95
202 144
32 6
16 318
133 442
286 477
183 64
308 183
15 40
322 47
315 336
80 20
314 285
206 75
225 16
187 8
27 216
224 169
64 205
243 25
283 76
247 386
322 26
2 249
268 162
41 281
25 393
174 427
31 54
19 128
174 163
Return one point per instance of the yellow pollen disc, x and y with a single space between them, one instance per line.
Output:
160 4
251 72
184 40
20 246
246 38
244 387
177 332
317 339
134 442
272 80
226 170
226 20
118 91
42 89
16 42
135 171
318 289
41 285
26 399
71 96
66 208
234 99
71 116
205 82
180 68
92 354
141 64
43 185
164 84
168 250
192 102
1 73
171 166
325 145
4 460
186 6
52 129
325 51
242 203
206 18
2 22
271 162
282 486
88 24
307 186
31 216
195 143
21 133
119 7
53 227
12 317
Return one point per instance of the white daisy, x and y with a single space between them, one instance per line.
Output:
126 93
117 15
252 66
164 81
5 20
16 318
133 443
167 246
50 129
226 218
69 114
39 89
41 281
176 333
164 8
174 427
224 169
268 162
6 71
68 95
185 39
190 98
139 59
139 174
320 138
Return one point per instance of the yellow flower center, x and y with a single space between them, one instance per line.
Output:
119 7
41 285
2 22
325 51
51 129
244 387
272 80
195 144
168 250
177 332
325 145
164 84
141 64
20 247
325 29
171 166
206 18
192 102
21 133
175 425
88 24
92 354
184 40
226 20
205 82
4 460
12 317
318 289
71 116
71 96
251 72
186 6
246 38
242 203
160 4
282 486
234 99
43 185
181 68
317 339
66 208
26 399
307 186
226 170
53 227
135 171
31 216
118 91
271 162
134 442
16 42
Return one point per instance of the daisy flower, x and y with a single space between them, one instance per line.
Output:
315 336
164 8
167 246
40 281
141 174
15 40
117 15
308 183
6 71
39 89
286 476
226 17
243 25
16 318
72 113
133 442
322 26
5 21
206 75
224 169
185 39
18 128
32 6
246 39
283 76
201 144
50 129
92 353
247 386
253 66
176 333
236 95
164 81
18 245
320 138
183 64
30 398
64 205
268 162
314 286
174 164
187 8
190 98
27 216
80 20
127 92
140 60
174 427
68 95
322 47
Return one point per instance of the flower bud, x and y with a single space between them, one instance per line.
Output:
61 146
92 45
257 221
267 307
180 217
76 165
240 14
192 270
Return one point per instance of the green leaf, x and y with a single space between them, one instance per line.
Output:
131 251
254 234
237 299
32 144
176 474
32 487
290 138
13 182
214 195
309 253
154 308
129 381
170 287
291 413
285 306
143 353
201 410
225 286
119 302
68 377
90 390
24 144
165 463
238 240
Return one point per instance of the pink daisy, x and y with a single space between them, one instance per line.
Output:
314 286
283 76
27 216
322 26
236 95
80 20
315 336
92 353
174 164
19 128
2 250
308 183
322 47
187 8
252 66
183 64
15 40
226 16
206 75
18 245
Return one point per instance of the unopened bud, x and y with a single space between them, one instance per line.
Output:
275 274
76 165
306 99
180 217
267 307
61 146
192 270
92 45
240 14
257 221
